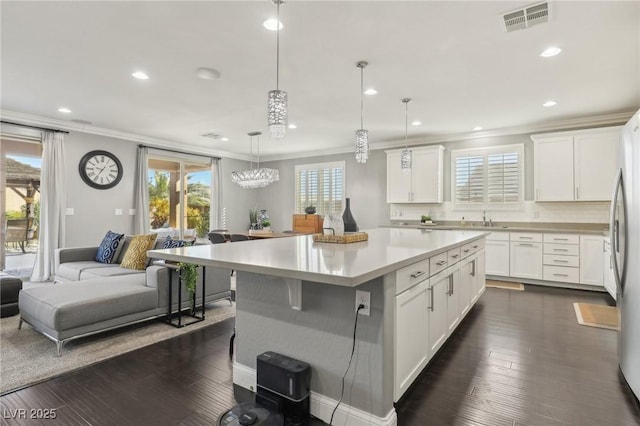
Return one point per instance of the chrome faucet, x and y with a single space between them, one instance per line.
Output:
484 218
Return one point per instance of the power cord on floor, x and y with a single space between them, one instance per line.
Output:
353 349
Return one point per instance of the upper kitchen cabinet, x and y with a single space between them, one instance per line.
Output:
575 166
423 184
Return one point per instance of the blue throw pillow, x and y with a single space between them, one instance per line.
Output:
171 243
108 247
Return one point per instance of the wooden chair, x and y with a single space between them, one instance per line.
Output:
17 231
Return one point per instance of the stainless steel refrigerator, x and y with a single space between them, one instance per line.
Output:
625 250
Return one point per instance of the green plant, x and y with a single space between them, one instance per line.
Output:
424 218
266 223
189 274
253 216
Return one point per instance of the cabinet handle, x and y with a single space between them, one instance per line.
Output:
525 245
560 275
455 256
417 274
466 251
560 239
442 262
475 246
473 268
560 261
450 292
560 249
537 193
577 193
431 307
525 238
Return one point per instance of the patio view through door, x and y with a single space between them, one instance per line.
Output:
21 166
179 197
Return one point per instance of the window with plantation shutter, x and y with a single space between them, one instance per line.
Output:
320 185
487 177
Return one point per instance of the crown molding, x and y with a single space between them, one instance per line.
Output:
551 126
70 126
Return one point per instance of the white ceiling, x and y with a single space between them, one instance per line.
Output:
452 58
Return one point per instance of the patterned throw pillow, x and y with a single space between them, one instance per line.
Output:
170 243
108 247
136 254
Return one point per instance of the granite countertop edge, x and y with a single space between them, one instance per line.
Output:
570 228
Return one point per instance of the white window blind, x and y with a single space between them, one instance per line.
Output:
488 177
320 185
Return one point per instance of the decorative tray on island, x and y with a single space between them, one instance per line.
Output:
348 237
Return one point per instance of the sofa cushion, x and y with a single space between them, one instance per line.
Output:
92 273
170 243
136 255
80 303
72 271
108 247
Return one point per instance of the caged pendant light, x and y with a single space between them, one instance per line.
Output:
258 177
405 155
362 135
277 100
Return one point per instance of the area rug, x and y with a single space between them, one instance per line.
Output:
27 357
601 316
508 285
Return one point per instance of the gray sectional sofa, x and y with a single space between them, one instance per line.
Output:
89 297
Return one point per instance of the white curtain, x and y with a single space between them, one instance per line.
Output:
53 199
215 220
141 202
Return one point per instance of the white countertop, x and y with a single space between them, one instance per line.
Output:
298 257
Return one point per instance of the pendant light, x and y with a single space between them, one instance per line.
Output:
277 100
405 155
258 177
362 135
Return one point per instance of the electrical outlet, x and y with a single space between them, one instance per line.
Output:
364 298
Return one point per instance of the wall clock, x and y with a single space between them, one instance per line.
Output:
100 169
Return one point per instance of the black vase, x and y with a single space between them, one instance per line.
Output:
350 224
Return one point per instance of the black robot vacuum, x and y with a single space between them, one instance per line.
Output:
250 413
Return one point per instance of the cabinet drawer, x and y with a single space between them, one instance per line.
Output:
559 260
561 273
438 262
453 256
526 237
476 245
465 250
562 238
410 275
498 236
564 249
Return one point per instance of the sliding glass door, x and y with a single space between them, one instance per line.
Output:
179 197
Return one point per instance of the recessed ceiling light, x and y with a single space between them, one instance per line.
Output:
272 24
370 91
208 73
416 123
477 128
140 75
551 51
292 126
64 109
549 103
224 139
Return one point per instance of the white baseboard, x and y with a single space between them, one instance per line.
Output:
322 406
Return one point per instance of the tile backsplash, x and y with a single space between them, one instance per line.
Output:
569 212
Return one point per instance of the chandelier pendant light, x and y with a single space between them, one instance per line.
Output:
258 177
277 100
362 135
405 155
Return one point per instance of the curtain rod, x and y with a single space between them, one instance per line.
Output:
179 152
33 127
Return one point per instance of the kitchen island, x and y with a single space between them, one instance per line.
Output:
298 297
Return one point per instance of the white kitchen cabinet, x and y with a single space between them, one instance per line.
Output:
591 253
497 254
480 274
423 184
454 301
576 165
439 292
526 260
411 336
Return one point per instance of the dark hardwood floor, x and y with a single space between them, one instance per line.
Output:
519 358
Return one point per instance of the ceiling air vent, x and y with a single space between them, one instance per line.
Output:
526 17
211 135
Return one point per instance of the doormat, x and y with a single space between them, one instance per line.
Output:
601 316
505 285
